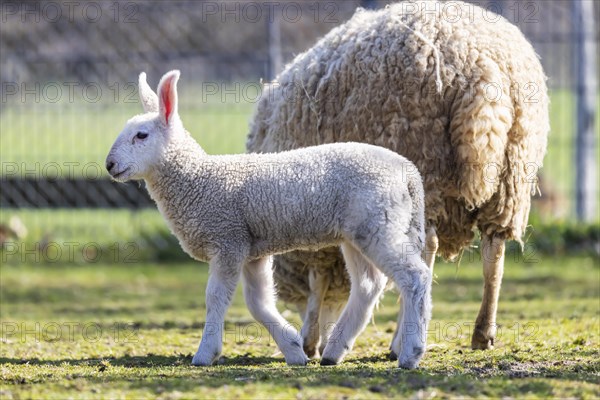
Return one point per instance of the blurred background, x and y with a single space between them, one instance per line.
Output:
69 82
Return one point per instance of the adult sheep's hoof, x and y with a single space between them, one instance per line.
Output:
327 362
311 351
481 341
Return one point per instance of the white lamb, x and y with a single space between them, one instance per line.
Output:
236 211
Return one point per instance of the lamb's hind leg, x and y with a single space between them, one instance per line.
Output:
259 292
318 283
429 252
398 258
367 283
492 252
413 277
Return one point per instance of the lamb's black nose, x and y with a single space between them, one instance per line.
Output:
109 165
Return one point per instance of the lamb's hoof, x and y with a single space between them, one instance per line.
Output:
298 363
297 358
327 361
479 341
202 359
201 363
411 360
392 356
408 364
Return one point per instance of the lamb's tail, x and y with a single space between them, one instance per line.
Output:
417 195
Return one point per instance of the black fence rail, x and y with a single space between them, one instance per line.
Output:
72 193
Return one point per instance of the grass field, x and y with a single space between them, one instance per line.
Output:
77 139
71 328
129 331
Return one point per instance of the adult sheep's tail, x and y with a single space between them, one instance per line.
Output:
499 130
481 121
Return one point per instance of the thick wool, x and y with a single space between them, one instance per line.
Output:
273 203
478 142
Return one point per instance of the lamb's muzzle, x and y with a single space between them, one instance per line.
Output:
237 211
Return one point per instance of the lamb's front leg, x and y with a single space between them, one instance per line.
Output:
222 280
259 291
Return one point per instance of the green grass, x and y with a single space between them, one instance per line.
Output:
130 331
80 236
59 237
559 163
60 141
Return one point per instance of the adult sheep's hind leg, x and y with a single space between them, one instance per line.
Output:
367 284
432 243
330 313
259 292
318 284
492 252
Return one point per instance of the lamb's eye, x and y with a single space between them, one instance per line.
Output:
141 135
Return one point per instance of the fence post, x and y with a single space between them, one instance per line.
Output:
274 38
587 86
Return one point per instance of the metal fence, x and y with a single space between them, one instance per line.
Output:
68 75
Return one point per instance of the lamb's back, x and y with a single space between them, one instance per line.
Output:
301 198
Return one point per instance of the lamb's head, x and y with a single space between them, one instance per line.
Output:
141 146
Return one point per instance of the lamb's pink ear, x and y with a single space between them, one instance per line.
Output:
167 96
148 98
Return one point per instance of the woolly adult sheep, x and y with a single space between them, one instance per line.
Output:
456 89
236 211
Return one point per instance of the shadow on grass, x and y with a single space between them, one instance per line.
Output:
147 361
353 373
373 374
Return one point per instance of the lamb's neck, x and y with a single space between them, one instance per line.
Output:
179 171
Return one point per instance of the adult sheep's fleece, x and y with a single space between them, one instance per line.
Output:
459 91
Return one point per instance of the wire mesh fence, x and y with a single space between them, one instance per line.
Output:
68 74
